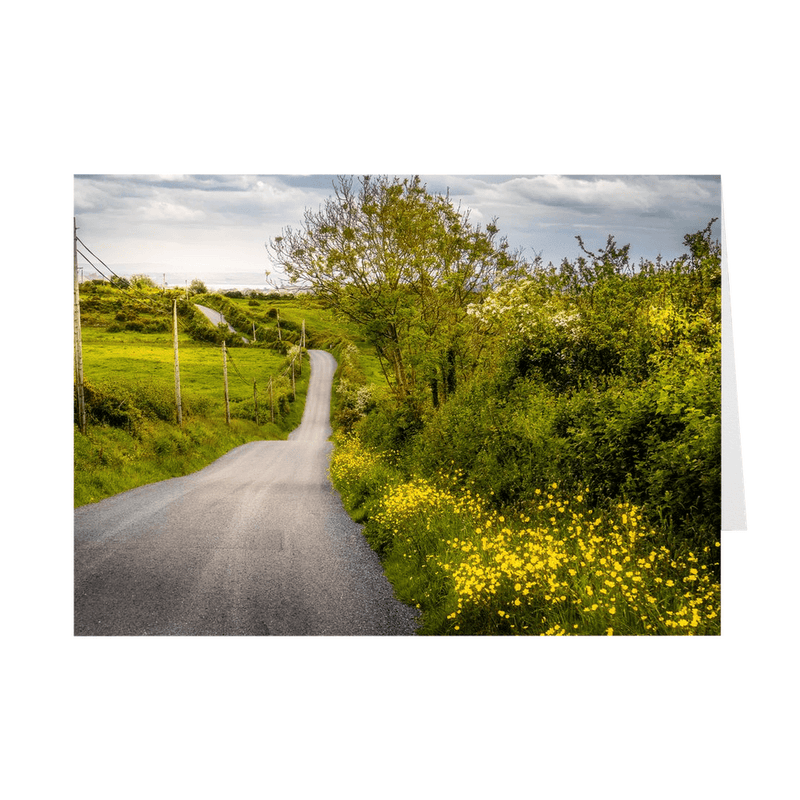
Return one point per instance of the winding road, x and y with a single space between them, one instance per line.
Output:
256 544
215 318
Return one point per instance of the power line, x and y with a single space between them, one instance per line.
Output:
124 284
100 260
93 266
236 369
155 306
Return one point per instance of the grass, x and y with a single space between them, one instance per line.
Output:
132 436
557 567
324 329
149 358
110 460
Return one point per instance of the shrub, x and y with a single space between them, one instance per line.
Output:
157 326
110 404
142 282
157 400
392 425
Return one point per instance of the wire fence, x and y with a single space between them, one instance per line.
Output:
137 299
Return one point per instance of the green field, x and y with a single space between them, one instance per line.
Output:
324 330
148 358
133 436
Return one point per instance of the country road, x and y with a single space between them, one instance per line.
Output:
215 318
255 544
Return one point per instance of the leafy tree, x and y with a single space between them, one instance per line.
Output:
404 264
142 281
198 287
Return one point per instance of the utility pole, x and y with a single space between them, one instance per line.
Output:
177 369
225 377
271 404
302 347
78 343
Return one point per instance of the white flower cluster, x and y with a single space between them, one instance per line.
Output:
517 308
363 398
356 397
564 319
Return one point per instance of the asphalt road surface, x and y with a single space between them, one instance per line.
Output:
255 544
215 318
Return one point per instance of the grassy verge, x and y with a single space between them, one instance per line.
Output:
558 568
110 460
139 448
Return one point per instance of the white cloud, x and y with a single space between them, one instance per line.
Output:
544 213
162 211
221 222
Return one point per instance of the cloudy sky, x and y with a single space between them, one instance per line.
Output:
214 227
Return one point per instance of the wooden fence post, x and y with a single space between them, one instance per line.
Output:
177 368
271 404
78 341
225 378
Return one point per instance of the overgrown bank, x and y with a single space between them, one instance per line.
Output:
548 461
559 566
